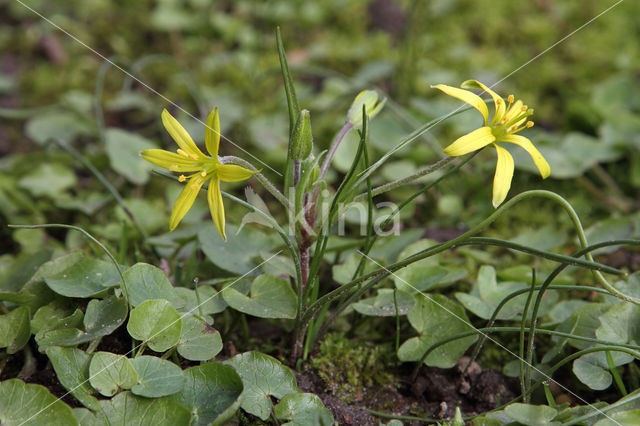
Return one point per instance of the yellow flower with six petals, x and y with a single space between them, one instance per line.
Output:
189 159
509 119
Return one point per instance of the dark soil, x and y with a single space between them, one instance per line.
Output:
40 373
47 378
434 394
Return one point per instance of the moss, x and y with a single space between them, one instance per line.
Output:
347 367
494 357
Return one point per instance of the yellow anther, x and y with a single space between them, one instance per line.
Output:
511 98
524 108
203 173
184 154
182 178
529 124
498 101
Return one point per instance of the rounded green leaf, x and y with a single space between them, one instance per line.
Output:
592 369
210 302
58 124
487 293
123 149
271 297
72 368
533 415
84 279
86 417
199 341
384 304
156 377
102 317
108 373
435 317
48 179
584 322
127 409
238 254
263 376
304 409
15 329
54 316
33 405
631 417
212 393
146 282
21 270
157 323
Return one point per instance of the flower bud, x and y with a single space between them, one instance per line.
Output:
302 140
368 98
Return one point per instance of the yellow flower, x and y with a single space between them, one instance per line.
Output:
188 159
509 119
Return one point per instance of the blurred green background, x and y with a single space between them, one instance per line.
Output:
201 54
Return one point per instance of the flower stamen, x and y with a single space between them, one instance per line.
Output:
182 178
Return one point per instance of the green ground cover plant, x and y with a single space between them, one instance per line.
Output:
274 213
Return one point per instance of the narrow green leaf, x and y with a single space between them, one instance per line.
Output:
290 91
294 109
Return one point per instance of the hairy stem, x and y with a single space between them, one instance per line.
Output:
405 180
230 159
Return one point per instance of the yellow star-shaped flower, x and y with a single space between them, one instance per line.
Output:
509 119
189 158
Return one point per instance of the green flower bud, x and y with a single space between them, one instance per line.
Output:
302 140
368 98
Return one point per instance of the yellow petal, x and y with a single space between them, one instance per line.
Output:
170 160
214 196
179 134
528 146
473 141
497 99
468 97
212 133
502 178
233 173
185 200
